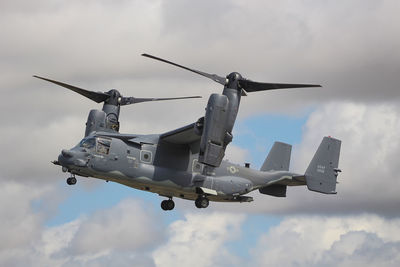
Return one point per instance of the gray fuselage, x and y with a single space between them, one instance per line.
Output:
171 171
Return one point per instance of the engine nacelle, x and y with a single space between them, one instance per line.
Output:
99 120
96 121
214 134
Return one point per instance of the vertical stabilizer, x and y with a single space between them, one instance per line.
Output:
322 172
278 158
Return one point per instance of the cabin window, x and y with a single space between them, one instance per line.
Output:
88 142
145 156
103 145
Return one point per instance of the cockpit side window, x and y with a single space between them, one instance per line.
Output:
103 145
88 143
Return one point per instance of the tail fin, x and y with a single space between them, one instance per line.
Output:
278 158
322 172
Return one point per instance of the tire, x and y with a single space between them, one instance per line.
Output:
170 204
202 202
164 205
197 203
71 180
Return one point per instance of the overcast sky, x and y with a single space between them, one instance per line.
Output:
349 47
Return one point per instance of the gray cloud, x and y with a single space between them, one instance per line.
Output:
131 228
350 47
365 248
199 240
370 149
350 44
203 240
23 212
330 241
125 234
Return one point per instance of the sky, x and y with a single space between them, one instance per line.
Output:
349 47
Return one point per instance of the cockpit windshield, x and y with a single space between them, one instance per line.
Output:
88 142
102 144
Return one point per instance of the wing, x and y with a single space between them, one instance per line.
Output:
182 136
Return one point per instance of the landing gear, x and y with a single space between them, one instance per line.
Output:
71 180
202 202
168 204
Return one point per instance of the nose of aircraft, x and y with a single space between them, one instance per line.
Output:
69 158
66 153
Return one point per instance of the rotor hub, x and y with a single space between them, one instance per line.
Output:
233 80
115 97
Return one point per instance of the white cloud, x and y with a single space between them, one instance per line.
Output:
369 158
129 234
365 240
370 147
199 240
236 154
30 150
14 216
122 234
96 45
350 47
127 227
57 238
23 212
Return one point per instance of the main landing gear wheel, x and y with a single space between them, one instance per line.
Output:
202 202
71 180
168 204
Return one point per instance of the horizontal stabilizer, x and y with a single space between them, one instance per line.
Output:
278 158
322 172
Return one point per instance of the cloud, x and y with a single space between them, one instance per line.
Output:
350 47
19 225
366 240
29 150
125 230
370 147
203 240
122 234
23 213
369 153
128 234
236 154
199 240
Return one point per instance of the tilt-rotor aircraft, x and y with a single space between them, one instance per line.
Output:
188 162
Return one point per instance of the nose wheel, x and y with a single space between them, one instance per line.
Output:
71 180
202 202
168 204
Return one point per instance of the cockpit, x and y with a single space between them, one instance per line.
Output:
88 143
100 144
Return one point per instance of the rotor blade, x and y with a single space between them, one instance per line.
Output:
213 77
95 96
135 100
250 86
